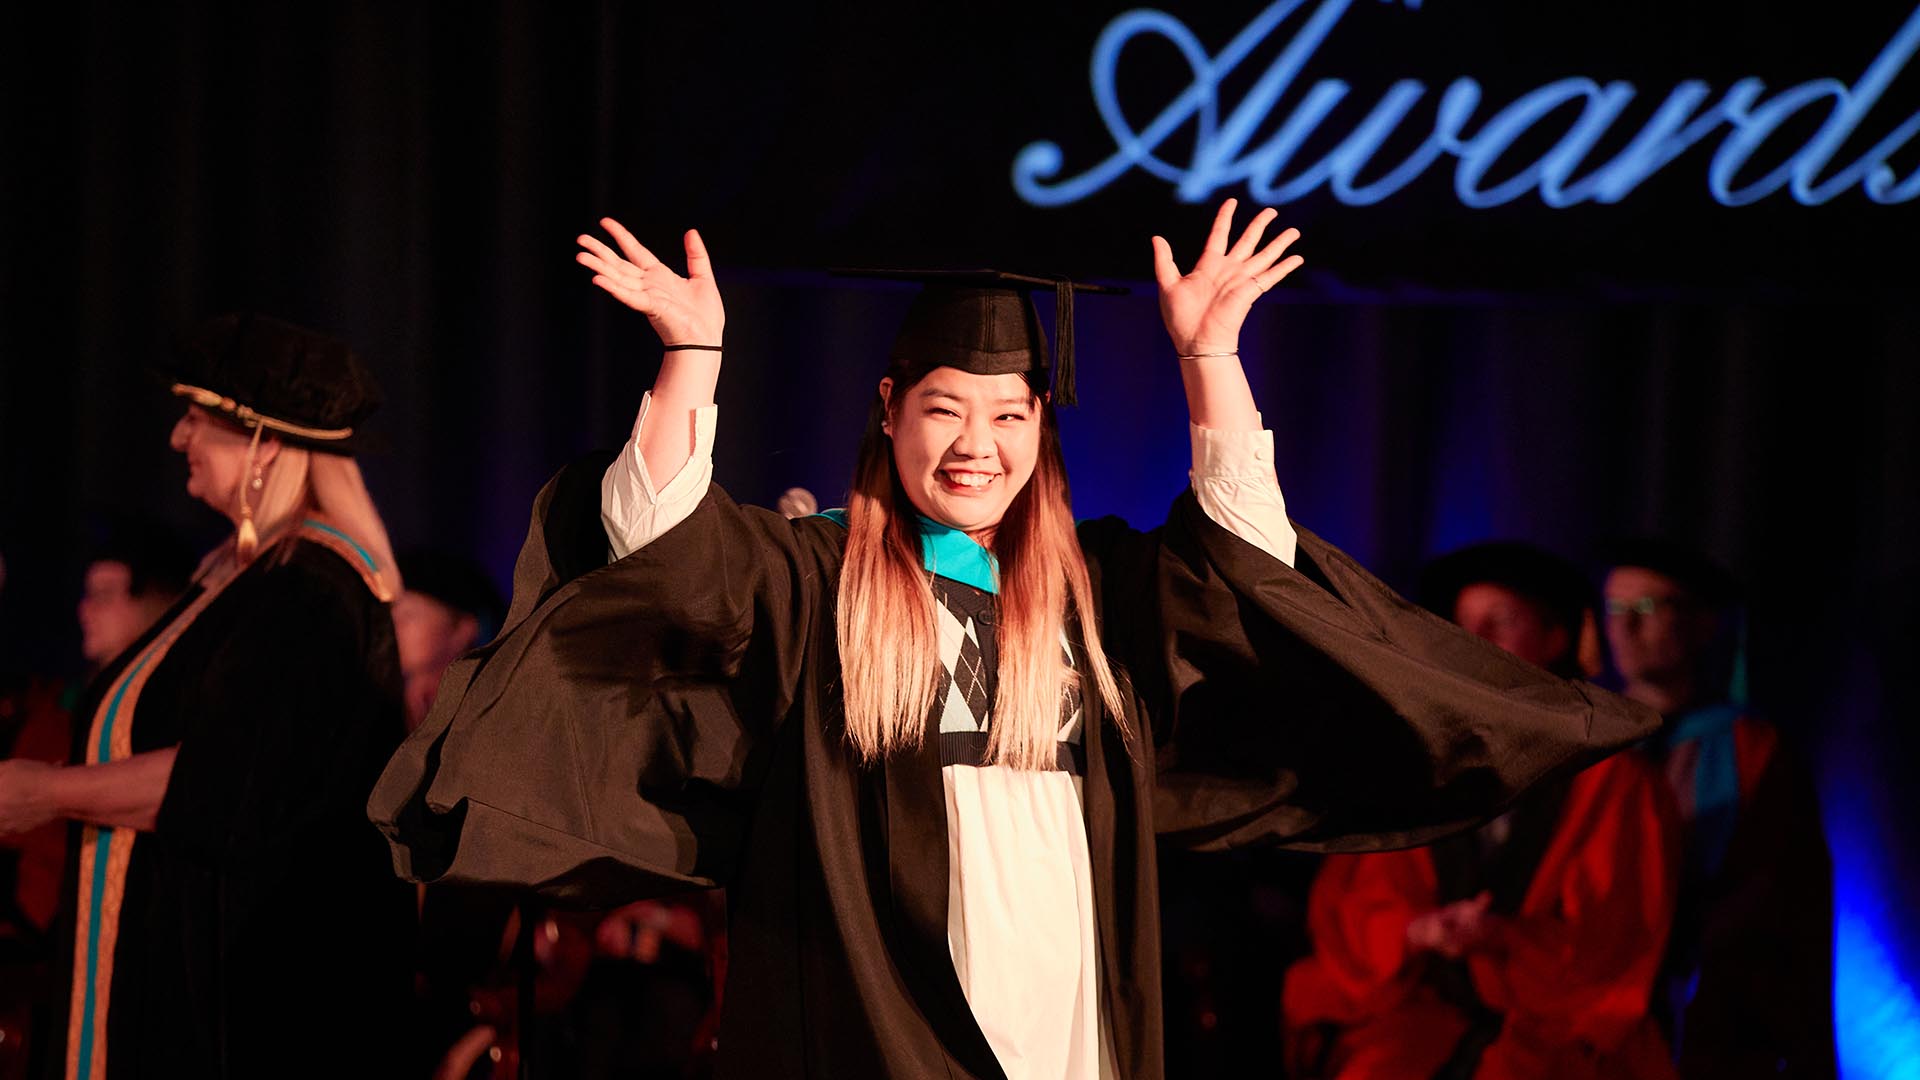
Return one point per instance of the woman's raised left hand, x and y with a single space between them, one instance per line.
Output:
682 310
1204 308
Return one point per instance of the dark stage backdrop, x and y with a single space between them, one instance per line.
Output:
1649 359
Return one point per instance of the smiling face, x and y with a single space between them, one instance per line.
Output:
964 445
216 453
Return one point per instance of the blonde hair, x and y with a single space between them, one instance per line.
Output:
301 482
282 499
885 618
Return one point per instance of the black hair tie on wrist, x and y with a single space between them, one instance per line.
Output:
702 348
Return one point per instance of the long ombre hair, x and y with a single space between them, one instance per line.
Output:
886 618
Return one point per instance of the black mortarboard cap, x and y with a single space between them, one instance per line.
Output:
257 371
1535 573
984 322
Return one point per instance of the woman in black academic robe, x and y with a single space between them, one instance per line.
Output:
230 913
674 718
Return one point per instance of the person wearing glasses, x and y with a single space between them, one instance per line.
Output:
1529 947
1748 980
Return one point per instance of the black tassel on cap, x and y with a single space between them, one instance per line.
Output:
1063 393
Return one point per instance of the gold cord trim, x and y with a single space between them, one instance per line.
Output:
205 398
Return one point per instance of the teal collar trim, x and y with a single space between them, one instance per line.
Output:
358 550
947 553
952 554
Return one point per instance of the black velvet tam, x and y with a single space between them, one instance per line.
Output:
1535 573
283 372
984 322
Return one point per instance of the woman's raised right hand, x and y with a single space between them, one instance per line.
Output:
683 310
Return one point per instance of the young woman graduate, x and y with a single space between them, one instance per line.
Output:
927 742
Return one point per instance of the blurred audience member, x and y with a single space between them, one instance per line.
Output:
1527 948
449 607
137 571
1748 978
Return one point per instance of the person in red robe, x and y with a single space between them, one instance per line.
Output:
1747 986
1527 948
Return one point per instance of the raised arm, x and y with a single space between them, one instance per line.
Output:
687 314
1233 471
1203 311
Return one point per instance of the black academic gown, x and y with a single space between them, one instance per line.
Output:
672 720
262 931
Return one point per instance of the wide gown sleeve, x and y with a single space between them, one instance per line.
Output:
1310 705
606 745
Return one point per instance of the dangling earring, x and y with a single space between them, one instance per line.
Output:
247 540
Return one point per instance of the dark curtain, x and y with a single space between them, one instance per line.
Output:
410 177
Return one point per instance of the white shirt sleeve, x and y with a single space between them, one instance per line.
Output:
632 509
1234 481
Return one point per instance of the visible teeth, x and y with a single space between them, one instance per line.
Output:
971 479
